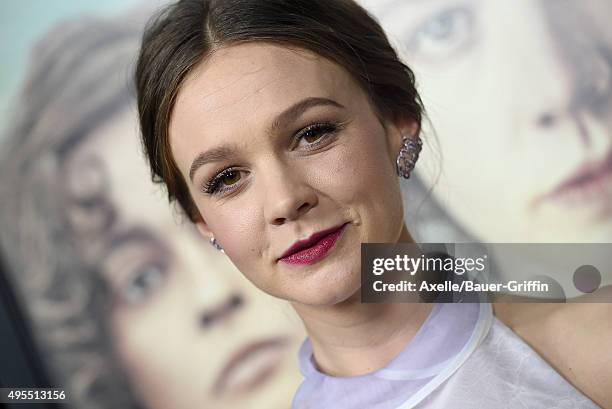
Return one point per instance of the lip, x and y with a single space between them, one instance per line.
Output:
313 248
591 183
259 360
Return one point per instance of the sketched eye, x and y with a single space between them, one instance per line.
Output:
443 34
145 281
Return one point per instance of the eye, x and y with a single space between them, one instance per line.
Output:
230 177
443 34
315 135
144 283
223 181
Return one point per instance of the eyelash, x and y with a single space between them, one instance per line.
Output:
328 129
212 186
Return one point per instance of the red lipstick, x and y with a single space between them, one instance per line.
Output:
589 184
314 248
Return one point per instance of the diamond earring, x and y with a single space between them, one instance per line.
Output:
216 244
408 155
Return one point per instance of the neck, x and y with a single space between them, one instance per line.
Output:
351 338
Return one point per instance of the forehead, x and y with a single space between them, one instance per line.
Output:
251 70
247 84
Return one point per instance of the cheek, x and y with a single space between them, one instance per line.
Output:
142 357
239 228
365 183
178 360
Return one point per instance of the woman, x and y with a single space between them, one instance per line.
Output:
128 308
280 128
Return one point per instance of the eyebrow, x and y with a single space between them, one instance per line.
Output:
290 114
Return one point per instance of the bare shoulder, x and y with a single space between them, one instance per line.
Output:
574 338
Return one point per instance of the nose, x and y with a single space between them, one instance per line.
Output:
221 312
571 78
218 298
288 196
541 80
584 49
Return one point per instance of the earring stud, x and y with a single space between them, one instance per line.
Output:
408 155
216 244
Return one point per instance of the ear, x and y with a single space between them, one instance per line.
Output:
396 130
202 227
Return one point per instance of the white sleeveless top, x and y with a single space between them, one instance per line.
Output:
462 357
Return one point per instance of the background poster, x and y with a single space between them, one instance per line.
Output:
132 309
129 305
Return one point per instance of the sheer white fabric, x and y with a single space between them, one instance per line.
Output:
462 357
504 372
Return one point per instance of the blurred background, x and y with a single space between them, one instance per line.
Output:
22 23
111 294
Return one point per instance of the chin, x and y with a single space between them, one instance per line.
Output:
325 300
325 289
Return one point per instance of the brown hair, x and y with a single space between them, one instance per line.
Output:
184 33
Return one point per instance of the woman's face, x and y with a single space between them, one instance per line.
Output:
188 327
519 95
276 145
